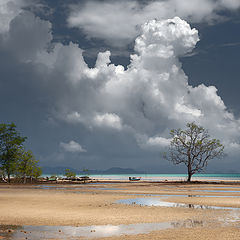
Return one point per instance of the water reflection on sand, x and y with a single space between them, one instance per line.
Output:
160 203
96 231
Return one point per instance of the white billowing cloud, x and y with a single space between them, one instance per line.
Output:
72 147
149 98
118 22
158 141
152 95
112 22
106 120
154 143
110 120
181 108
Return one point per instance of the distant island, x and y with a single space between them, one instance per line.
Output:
113 170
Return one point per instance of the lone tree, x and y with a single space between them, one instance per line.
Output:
10 144
194 148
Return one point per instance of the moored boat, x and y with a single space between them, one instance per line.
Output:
134 178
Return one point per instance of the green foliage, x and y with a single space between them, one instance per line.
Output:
10 144
53 178
37 172
69 173
27 165
193 147
13 158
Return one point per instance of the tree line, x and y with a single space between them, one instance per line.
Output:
15 160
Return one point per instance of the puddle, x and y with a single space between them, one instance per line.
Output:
222 186
97 231
100 183
109 189
178 195
154 202
220 191
55 187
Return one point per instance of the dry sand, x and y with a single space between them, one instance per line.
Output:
82 205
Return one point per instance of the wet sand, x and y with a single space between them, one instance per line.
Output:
86 205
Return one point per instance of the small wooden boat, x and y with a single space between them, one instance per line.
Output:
134 178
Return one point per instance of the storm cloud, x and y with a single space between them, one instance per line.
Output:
115 112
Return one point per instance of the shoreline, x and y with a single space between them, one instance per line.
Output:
104 181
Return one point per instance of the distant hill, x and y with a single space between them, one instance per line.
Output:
56 170
113 170
118 170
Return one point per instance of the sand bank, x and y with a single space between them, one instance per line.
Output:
85 205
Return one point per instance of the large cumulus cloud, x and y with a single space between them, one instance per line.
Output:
138 105
148 98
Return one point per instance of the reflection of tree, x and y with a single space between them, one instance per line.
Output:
191 205
189 223
8 231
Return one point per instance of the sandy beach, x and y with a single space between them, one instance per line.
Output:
96 204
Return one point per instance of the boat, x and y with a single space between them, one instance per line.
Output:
134 178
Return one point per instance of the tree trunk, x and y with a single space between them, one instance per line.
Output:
9 179
189 171
24 179
189 167
189 176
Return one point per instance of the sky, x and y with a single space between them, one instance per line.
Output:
100 84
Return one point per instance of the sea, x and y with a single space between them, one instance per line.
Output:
166 177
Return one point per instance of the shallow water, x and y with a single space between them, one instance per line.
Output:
73 187
69 232
179 195
222 186
153 202
218 190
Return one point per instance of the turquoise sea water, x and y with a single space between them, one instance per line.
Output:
169 177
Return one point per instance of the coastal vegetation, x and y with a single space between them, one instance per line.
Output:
69 173
194 148
27 166
14 158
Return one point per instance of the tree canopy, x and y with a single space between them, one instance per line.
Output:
69 173
10 144
14 159
194 148
27 165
